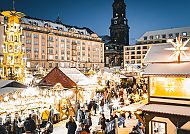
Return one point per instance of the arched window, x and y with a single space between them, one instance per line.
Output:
16 38
12 38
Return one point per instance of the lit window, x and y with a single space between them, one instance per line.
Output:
184 33
157 36
158 127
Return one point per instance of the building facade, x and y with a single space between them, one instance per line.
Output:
49 44
119 35
161 36
1 31
134 55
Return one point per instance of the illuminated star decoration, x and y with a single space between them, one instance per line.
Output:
169 86
179 48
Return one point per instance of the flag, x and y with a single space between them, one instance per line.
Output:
110 126
121 120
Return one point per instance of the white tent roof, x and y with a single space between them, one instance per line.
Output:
78 77
133 107
167 109
179 69
10 86
8 90
160 53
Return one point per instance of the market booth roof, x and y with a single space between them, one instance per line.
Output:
55 76
133 107
79 78
167 109
68 77
10 86
172 69
162 54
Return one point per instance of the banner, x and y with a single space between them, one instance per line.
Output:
111 125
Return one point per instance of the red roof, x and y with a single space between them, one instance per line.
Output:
57 76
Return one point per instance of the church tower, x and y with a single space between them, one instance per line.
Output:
119 29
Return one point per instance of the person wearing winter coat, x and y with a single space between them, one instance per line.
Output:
29 125
102 122
3 130
71 126
88 122
80 115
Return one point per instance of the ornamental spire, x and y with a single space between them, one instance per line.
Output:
13 5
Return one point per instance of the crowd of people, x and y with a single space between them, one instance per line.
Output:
35 122
97 108
81 122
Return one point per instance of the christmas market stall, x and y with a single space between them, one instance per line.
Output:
168 72
67 85
10 91
60 89
86 86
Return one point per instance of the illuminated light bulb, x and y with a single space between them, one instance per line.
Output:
145 96
56 93
44 93
6 98
136 96
50 93
61 94
15 96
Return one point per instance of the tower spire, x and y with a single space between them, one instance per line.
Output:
13 5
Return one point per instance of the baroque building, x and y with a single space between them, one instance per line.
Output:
119 35
51 44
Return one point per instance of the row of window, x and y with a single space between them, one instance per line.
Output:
51 38
133 62
135 57
137 48
164 36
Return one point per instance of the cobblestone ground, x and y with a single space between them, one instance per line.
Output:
61 129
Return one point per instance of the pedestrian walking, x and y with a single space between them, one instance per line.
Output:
130 115
45 117
51 114
102 122
95 107
88 122
71 126
3 130
29 125
102 105
123 115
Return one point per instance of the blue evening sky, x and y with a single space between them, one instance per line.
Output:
143 15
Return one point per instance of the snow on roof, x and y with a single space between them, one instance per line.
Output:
167 109
3 83
173 69
133 107
56 26
164 31
159 53
8 90
10 86
76 76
